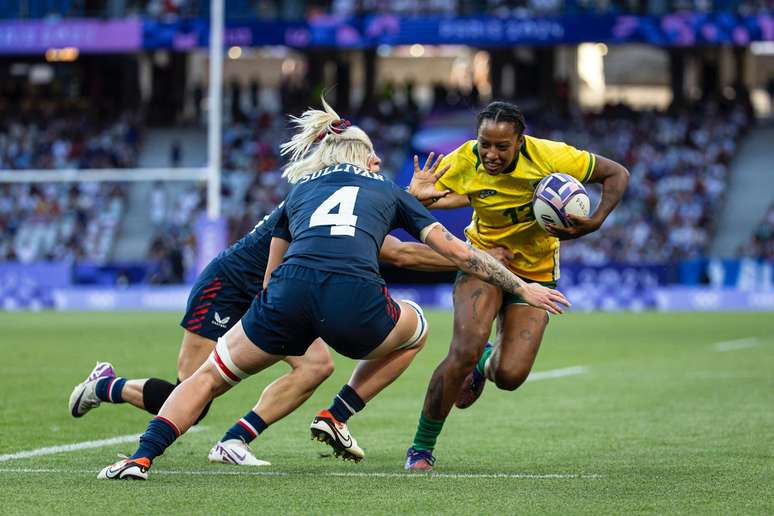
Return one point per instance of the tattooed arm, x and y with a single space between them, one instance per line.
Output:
614 178
410 255
485 267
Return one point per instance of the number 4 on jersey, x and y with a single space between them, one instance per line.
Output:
343 222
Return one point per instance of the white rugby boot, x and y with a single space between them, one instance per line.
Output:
327 429
84 395
126 469
234 451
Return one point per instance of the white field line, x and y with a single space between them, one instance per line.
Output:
558 373
733 345
51 450
85 445
363 474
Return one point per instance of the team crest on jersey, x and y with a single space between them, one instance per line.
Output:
483 194
217 321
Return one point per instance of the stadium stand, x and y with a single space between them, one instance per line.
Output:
679 163
679 167
60 221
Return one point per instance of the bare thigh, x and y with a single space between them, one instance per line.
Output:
318 355
246 355
194 350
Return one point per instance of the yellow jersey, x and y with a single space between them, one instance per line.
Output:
502 204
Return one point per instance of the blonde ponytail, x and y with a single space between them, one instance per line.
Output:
337 142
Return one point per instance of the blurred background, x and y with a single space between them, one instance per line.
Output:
112 195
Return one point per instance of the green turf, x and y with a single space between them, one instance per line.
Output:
661 423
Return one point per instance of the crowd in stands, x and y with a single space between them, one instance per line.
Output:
679 164
41 140
62 221
59 221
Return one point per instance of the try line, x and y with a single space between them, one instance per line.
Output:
51 450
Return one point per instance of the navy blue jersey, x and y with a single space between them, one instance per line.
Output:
336 219
244 263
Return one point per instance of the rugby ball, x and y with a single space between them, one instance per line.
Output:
557 195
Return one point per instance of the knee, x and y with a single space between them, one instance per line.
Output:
321 370
472 337
312 369
510 380
210 380
463 356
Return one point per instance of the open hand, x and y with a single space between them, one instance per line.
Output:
422 185
544 298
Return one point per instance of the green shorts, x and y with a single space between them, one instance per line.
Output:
514 299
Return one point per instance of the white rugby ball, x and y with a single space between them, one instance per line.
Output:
557 195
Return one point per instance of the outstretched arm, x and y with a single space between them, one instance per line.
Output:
420 257
447 201
410 255
277 250
485 267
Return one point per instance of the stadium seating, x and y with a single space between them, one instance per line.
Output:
679 172
679 165
60 221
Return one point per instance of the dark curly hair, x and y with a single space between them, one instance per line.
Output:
500 111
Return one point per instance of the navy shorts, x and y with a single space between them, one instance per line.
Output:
215 304
352 315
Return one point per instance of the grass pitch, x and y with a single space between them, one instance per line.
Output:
675 414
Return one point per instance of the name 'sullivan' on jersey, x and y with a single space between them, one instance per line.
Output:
341 167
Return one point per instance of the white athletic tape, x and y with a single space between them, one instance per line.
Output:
421 329
221 359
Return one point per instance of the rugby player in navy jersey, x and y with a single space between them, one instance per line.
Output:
221 295
322 281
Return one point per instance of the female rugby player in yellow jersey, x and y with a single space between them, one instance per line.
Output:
496 174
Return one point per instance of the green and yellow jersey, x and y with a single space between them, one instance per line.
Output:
502 204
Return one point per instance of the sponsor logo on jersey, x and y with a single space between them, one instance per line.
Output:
217 321
483 194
